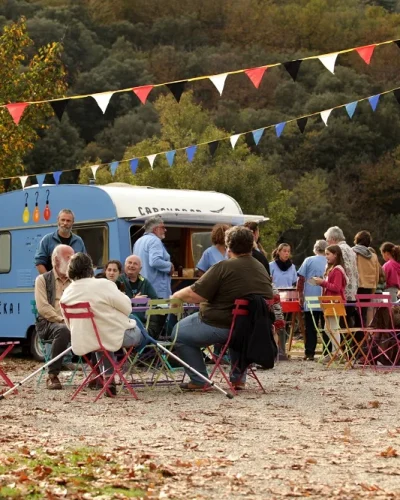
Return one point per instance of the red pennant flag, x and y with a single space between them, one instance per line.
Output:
366 52
16 110
143 92
255 75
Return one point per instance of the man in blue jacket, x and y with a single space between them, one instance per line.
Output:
156 261
63 235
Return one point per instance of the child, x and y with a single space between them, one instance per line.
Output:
333 283
282 270
391 255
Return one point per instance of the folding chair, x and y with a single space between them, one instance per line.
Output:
8 347
82 310
383 344
240 309
348 347
290 303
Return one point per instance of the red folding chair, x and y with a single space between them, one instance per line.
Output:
240 309
8 346
85 312
383 344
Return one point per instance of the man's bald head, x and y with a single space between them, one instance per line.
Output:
133 266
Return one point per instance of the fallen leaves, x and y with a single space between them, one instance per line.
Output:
389 453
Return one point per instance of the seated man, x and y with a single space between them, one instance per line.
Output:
50 324
216 291
111 309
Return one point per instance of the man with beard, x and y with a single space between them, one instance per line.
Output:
50 324
63 236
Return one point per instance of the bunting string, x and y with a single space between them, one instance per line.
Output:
190 151
177 87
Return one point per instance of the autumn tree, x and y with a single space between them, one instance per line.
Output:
25 79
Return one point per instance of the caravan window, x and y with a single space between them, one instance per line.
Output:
5 252
200 242
95 238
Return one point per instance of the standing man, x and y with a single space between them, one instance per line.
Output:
156 261
50 324
63 235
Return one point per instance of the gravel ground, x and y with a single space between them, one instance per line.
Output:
316 433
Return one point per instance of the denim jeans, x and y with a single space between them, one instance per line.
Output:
192 334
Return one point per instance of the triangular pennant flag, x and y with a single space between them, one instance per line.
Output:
177 89
329 61
143 92
170 155
373 100
325 115
113 167
249 139
134 165
292 67
301 123
59 107
350 108
234 138
190 152
397 42
40 179
255 75
366 52
279 128
257 134
396 93
16 110
212 147
219 81
56 177
23 179
103 100
6 184
151 159
94 170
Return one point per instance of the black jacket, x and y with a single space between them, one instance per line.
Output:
252 335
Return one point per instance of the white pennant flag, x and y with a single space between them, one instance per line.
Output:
94 170
325 115
234 139
23 180
151 159
219 81
329 61
103 100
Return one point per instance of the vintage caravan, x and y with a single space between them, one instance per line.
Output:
109 219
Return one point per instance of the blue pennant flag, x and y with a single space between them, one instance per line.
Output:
40 179
191 151
374 101
170 155
350 108
134 165
257 134
113 167
279 128
56 176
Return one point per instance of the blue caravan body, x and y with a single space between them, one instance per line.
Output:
109 219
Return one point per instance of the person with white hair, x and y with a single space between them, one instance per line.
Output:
311 267
50 324
334 236
156 261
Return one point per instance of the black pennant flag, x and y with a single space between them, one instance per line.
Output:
249 138
396 93
301 123
292 67
59 107
212 147
177 89
397 42
6 184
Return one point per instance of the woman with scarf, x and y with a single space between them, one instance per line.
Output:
283 271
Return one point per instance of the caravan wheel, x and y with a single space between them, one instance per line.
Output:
35 348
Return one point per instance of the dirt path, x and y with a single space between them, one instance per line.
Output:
317 433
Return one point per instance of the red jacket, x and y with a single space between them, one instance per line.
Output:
336 282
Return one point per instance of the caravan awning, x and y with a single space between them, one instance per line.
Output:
201 218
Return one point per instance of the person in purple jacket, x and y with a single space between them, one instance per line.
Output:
391 254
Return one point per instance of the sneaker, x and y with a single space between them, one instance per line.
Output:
239 386
308 357
190 386
53 383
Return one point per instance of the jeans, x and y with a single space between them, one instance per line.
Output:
132 337
192 334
